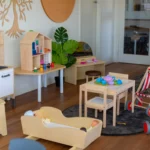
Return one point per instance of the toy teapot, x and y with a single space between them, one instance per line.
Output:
109 78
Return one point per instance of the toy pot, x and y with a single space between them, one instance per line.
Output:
108 78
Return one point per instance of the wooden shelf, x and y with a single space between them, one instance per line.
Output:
30 61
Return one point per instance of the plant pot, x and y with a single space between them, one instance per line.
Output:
57 81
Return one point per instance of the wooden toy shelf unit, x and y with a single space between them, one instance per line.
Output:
35 50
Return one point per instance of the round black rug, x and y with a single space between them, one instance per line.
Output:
134 121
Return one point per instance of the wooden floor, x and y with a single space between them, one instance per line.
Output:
51 97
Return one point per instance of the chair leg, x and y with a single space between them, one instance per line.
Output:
126 97
118 106
85 111
96 113
104 119
87 79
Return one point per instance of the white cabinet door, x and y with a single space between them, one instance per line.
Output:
6 82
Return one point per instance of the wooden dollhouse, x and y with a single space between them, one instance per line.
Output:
1 48
35 50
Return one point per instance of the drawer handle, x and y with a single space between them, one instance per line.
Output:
4 76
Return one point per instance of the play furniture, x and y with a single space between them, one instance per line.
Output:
98 103
92 74
39 74
3 126
112 90
123 94
83 64
140 93
35 50
7 83
25 144
1 48
33 126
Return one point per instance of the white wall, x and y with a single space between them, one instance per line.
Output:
106 28
97 27
37 21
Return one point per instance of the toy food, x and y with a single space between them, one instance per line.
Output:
108 80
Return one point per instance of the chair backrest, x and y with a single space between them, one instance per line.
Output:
99 89
119 75
25 144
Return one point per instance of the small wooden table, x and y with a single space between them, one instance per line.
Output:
57 67
113 90
3 125
77 71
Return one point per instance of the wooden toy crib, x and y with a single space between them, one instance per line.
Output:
78 139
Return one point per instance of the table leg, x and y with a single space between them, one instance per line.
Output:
61 81
114 110
133 98
80 103
45 80
39 88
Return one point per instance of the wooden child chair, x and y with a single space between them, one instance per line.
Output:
98 103
122 95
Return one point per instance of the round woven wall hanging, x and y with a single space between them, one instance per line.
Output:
58 10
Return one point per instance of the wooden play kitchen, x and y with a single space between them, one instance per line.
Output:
50 124
3 125
112 90
83 64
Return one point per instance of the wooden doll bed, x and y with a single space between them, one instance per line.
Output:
78 139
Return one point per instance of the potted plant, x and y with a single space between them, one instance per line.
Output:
63 49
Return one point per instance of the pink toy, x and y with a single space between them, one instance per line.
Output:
94 60
42 62
109 78
83 62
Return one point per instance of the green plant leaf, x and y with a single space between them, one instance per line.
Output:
70 46
63 58
61 35
56 58
71 60
56 47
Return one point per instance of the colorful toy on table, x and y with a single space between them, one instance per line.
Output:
108 80
44 66
48 65
52 65
41 68
35 69
88 61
